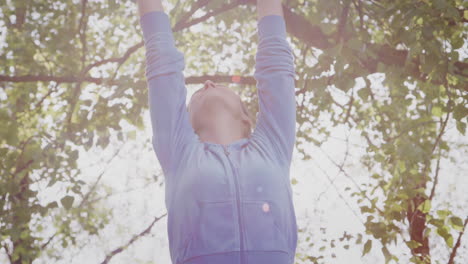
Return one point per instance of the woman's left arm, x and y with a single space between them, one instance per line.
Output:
274 72
166 86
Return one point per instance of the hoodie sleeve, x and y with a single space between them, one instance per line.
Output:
274 73
171 128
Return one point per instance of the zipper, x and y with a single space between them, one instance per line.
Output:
238 205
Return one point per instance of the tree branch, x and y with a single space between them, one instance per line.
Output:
131 241
342 22
75 79
178 27
119 60
197 5
93 187
53 89
43 246
436 177
222 9
82 31
301 28
8 254
457 245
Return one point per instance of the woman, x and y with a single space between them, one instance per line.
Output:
228 193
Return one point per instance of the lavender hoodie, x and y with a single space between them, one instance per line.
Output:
226 203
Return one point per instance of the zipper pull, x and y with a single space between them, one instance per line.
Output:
225 150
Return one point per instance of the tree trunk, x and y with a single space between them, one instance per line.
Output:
417 226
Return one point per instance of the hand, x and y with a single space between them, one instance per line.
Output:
146 6
269 7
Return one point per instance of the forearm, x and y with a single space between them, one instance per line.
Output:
146 6
269 7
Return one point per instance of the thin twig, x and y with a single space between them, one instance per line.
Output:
132 240
93 187
197 5
457 245
436 177
213 13
48 241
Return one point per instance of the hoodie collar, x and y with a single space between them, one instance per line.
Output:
235 145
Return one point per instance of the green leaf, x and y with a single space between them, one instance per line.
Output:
439 4
24 234
460 111
413 244
387 254
74 154
397 208
12 135
327 28
381 67
14 233
367 247
112 4
366 209
437 111
67 201
52 181
364 93
449 241
131 135
461 127
453 13
359 239
420 21
444 232
457 223
52 205
355 44
457 42
401 166
443 213
427 231
425 207
401 194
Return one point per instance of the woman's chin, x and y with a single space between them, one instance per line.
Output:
215 103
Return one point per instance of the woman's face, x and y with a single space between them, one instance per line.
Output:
214 99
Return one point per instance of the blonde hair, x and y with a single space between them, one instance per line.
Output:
248 125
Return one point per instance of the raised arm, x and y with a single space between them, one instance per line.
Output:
274 72
166 86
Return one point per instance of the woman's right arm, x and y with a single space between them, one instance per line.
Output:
166 86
